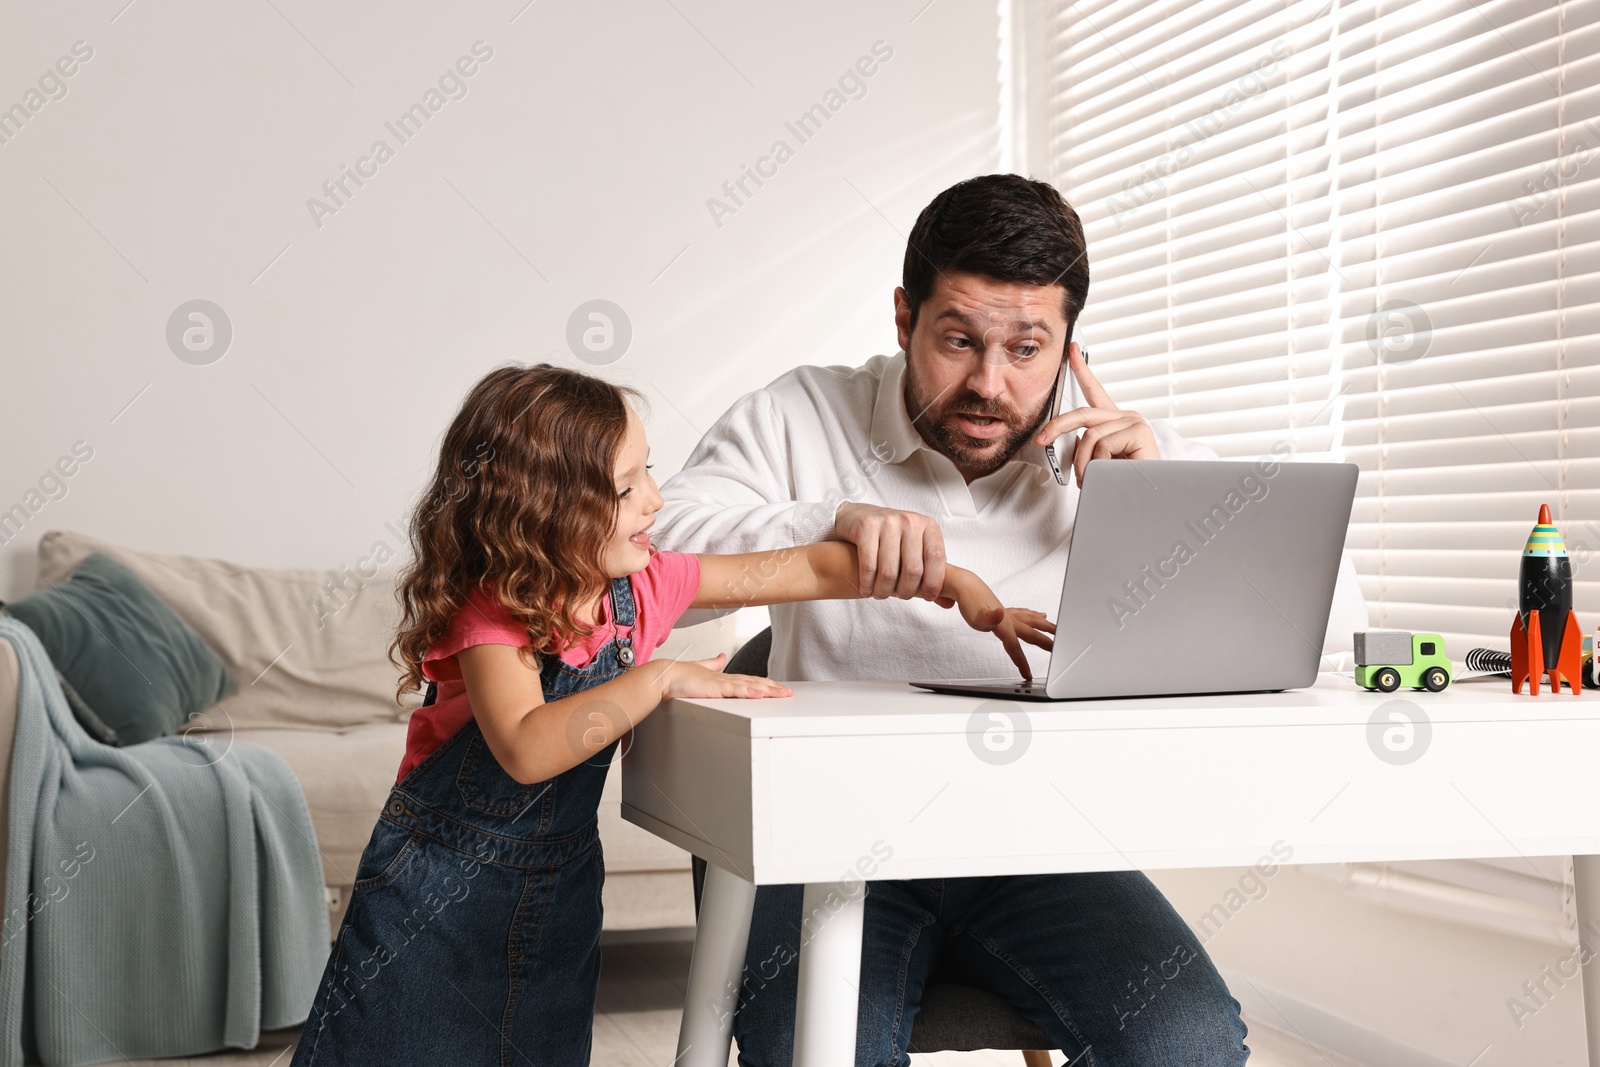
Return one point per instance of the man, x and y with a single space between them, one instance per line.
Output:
934 454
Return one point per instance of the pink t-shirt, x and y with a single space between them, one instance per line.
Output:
662 592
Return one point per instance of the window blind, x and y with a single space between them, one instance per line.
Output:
1369 229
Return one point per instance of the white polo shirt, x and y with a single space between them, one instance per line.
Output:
775 468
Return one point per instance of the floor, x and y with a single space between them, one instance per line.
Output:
641 995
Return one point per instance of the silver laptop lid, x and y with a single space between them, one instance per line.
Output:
1199 576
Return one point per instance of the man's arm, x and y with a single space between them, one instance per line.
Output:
736 492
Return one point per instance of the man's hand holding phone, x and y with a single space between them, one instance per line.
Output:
1108 431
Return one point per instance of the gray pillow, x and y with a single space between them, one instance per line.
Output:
82 712
137 668
85 714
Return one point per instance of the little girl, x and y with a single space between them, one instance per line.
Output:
534 600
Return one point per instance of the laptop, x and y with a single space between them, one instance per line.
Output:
1186 577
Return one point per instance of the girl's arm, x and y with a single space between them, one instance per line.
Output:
823 571
534 739
827 570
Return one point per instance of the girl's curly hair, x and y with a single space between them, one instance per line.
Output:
524 497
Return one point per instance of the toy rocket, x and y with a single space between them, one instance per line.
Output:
1544 634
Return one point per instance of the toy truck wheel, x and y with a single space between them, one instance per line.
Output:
1387 679
1436 679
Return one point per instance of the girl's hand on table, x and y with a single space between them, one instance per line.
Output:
704 678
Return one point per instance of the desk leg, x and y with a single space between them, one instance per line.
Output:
1586 891
830 974
726 905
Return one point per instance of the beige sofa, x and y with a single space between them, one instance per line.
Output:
308 649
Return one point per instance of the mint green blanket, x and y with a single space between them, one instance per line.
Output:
163 899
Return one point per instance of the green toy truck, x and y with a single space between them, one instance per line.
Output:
1388 659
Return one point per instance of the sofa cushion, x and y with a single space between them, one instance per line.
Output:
307 648
142 671
346 777
701 641
647 900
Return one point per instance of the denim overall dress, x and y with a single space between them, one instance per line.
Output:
473 932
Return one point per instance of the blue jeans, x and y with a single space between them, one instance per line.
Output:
1100 962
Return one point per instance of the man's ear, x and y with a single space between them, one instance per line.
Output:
902 319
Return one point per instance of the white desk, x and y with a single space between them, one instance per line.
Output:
848 778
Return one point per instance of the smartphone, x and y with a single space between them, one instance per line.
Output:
1053 408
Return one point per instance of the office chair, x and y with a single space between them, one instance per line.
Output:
953 1017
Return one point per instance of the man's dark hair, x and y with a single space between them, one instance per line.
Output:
1003 226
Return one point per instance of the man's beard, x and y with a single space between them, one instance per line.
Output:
934 418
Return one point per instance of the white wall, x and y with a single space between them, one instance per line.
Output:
577 166
1383 986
